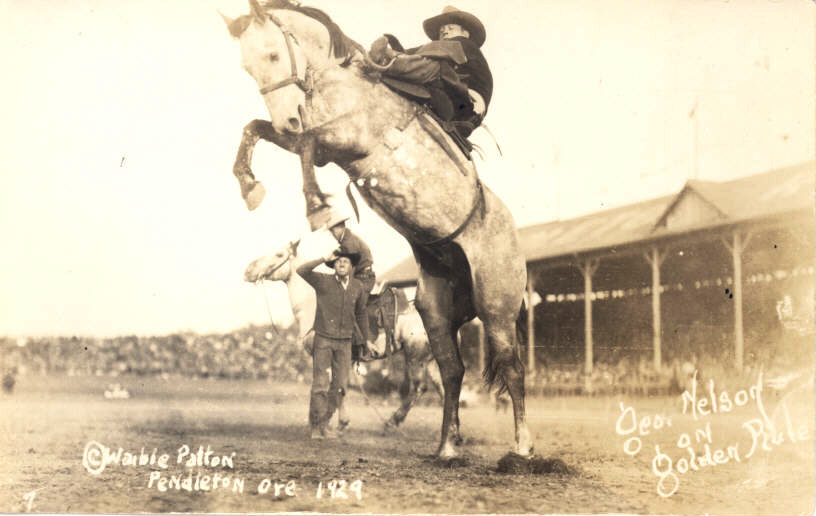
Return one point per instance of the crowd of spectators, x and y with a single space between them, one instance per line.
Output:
270 353
255 352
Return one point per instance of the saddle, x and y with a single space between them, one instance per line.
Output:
435 99
382 310
458 130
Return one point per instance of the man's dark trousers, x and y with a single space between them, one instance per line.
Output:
331 361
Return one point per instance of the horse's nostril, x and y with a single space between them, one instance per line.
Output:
294 123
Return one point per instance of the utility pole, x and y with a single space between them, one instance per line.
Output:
696 147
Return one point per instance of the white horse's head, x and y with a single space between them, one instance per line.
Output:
272 56
280 43
273 267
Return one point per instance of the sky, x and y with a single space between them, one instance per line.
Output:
119 213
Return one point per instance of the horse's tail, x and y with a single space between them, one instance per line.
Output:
521 330
493 363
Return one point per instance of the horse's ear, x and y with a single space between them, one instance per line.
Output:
236 26
294 245
257 11
226 19
231 26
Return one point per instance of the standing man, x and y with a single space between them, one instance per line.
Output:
351 243
451 71
341 306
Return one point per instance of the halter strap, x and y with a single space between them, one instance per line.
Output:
294 78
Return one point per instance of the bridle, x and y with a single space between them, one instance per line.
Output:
307 83
294 78
283 262
290 250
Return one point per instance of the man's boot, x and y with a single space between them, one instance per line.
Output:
327 432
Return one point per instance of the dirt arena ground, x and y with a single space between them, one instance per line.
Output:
52 428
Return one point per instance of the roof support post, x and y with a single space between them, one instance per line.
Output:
481 343
655 258
531 370
737 246
588 268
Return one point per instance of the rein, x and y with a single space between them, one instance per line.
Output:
268 310
260 282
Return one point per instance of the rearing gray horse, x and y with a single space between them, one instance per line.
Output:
325 105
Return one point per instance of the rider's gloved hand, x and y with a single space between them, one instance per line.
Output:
478 102
381 52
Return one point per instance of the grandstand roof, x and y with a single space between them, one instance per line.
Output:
699 205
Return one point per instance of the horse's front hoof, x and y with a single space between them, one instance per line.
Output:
254 195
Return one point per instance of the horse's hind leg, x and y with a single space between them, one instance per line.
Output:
434 302
433 378
497 297
505 366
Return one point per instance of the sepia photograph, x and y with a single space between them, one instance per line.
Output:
380 257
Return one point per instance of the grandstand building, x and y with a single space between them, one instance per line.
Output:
719 269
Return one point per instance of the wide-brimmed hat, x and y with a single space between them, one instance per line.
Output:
336 218
354 257
451 14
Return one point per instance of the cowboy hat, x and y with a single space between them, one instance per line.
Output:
453 15
354 257
336 218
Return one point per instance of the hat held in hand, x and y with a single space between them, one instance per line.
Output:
354 257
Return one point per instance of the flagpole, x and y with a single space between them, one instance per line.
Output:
696 148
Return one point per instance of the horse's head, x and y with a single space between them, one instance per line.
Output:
274 267
281 42
274 58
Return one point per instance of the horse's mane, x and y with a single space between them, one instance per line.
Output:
341 45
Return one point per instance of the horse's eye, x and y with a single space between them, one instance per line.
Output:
273 57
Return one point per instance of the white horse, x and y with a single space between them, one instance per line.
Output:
409 333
